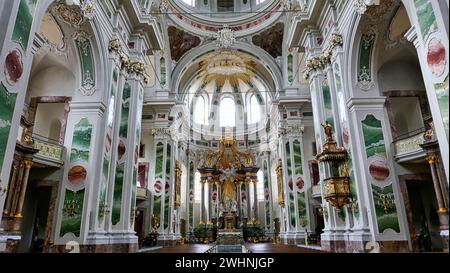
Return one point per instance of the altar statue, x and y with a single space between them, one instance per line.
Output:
229 195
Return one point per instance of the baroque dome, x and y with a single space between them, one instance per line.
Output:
244 17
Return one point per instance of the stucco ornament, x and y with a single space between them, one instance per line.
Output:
286 4
225 37
75 12
164 6
361 6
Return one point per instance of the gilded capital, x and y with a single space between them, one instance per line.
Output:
28 164
432 158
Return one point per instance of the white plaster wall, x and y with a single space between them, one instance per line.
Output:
409 107
399 75
46 114
308 139
52 81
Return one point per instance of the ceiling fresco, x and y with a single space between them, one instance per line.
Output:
271 40
181 42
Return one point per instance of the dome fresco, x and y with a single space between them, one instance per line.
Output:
215 14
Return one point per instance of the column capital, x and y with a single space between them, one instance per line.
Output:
161 133
432 158
28 164
442 210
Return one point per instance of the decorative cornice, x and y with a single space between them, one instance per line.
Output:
161 133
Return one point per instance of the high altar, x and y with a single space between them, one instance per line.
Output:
230 171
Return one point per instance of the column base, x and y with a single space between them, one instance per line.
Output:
168 240
10 234
101 242
9 243
293 238
361 246
100 248
332 245
445 239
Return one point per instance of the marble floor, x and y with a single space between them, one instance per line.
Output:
191 248
277 248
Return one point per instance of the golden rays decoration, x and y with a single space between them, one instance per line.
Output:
220 160
225 64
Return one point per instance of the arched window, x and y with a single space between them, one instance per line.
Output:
189 2
197 187
260 186
162 64
254 110
227 112
201 111
225 5
290 63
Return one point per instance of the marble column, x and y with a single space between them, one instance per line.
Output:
218 198
210 184
443 210
255 201
202 203
442 181
16 190
249 206
11 188
239 199
23 188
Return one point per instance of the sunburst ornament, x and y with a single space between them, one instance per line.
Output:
223 65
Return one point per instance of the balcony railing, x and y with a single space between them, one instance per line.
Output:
316 191
49 150
141 193
407 146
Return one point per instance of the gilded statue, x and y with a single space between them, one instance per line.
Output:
280 183
345 171
229 191
155 224
328 131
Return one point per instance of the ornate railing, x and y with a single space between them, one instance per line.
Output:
409 144
141 192
316 191
48 149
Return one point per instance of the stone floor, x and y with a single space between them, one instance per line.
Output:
191 248
277 248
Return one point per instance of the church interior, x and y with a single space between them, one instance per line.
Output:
224 126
